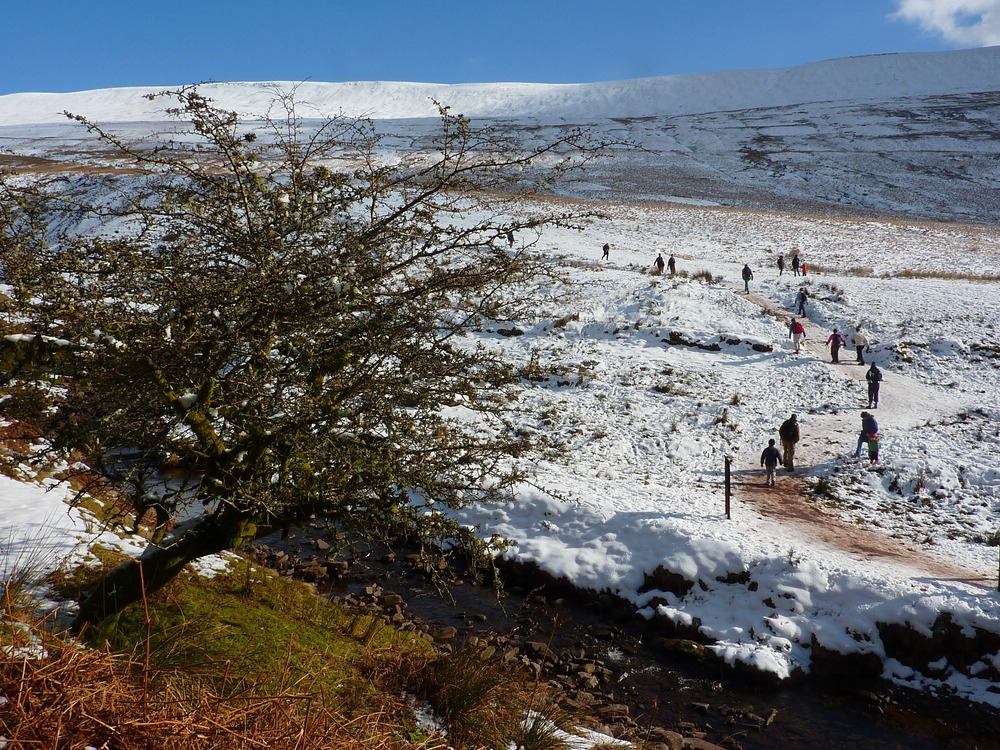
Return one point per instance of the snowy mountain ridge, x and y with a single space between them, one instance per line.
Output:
905 135
876 77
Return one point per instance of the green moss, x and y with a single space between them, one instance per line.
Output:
250 628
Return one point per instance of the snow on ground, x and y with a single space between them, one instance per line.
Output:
645 425
41 532
650 382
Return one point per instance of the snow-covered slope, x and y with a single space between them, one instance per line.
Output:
878 77
906 134
656 380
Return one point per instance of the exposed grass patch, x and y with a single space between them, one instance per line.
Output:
215 663
705 276
953 276
268 632
818 269
247 660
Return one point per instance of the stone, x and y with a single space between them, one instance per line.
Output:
681 646
613 710
445 634
694 743
665 738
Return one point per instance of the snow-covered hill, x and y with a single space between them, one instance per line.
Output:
858 79
907 134
656 380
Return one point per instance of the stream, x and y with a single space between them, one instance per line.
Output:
676 691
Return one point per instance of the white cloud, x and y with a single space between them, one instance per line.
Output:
974 23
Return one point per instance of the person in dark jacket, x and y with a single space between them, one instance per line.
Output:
795 264
781 264
747 277
671 265
607 251
789 434
659 264
800 300
769 460
869 427
874 378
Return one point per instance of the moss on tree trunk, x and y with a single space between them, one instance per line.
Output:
159 563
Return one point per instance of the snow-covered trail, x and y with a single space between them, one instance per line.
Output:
830 438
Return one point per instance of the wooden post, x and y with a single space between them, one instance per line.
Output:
729 491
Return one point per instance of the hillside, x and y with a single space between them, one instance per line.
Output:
650 383
904 135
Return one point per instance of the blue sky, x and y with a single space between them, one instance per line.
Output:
71 45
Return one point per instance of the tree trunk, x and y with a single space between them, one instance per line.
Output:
159 563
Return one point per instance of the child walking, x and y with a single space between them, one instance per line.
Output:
769 460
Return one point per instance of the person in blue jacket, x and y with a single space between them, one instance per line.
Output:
869 427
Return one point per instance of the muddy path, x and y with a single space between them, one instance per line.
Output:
827 439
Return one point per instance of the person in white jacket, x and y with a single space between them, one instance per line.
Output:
859 341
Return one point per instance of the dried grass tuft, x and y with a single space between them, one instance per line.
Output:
61 695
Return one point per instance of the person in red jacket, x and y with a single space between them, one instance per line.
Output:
796 332
835 342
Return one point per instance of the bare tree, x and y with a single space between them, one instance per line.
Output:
274 306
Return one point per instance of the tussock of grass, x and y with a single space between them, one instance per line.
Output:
704 276
77 697
491 704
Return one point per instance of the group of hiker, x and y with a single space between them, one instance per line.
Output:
789 434
659 265
798 265
857 339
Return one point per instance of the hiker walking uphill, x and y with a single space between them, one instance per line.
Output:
835 342
869 429
769 460
874 378
659 264
781 264
607 251
796 332
789 434
747 277
800 300
672 265
859 341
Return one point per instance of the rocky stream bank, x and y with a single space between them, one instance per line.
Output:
634 679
